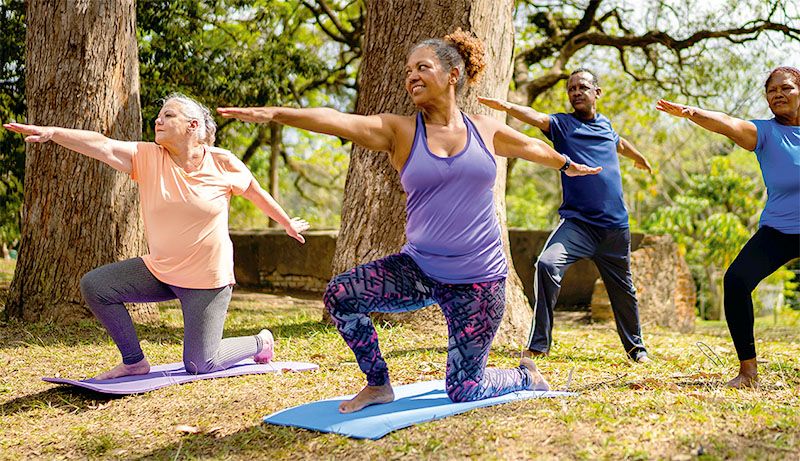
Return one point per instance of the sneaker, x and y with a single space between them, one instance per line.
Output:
268 352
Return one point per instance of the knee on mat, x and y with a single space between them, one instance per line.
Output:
462 392
198 367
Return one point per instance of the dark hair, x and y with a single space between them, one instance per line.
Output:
793 72
579 70
461 50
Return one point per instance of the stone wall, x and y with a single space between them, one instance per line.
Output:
268 260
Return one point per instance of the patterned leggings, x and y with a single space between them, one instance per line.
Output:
397 284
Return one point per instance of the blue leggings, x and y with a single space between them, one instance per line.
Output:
397 284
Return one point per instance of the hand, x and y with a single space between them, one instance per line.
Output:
496 104
643 164
33 133
677 110
579 169
295 227
249 114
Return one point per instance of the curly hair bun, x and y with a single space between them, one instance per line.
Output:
470 48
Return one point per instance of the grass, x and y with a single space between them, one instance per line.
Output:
673 408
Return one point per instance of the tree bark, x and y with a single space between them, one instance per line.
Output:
373 209
82 71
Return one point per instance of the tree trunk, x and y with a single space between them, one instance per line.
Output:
82 71
373 209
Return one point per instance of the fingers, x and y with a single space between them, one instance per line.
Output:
583 170
234 112
34 133
493 103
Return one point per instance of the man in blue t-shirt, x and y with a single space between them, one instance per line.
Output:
594 220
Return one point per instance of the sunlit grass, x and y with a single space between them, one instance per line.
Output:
671 408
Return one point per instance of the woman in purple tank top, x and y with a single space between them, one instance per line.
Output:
454 255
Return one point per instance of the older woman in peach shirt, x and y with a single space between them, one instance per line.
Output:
185 185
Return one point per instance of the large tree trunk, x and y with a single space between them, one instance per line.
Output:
373 209
82 71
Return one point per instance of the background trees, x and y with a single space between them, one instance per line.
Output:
79 213
301 52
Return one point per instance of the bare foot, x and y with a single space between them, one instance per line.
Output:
538 383
642 358
747 377
370 395
139 368
528 354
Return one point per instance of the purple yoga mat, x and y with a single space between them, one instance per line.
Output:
174 373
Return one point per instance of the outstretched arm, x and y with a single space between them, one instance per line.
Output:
522 113
626 149
374 132
117 154
742 132
271 208
509 142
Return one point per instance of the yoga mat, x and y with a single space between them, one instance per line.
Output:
174 373
414 403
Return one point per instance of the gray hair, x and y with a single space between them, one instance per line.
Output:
193 110
448 57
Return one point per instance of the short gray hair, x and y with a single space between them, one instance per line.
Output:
193 110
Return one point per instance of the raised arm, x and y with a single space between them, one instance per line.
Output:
522 113
626 149
117 154
374 132
509 142
271 208
742 132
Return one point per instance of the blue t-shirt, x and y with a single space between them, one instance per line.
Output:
778 152
596 199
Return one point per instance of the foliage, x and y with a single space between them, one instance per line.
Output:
241 53
712 220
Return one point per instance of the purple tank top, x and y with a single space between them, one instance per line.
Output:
452 230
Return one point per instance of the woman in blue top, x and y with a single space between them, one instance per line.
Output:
776 143
454 255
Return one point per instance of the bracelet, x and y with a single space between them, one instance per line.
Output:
566 164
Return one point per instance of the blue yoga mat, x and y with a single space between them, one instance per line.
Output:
174 373
414 403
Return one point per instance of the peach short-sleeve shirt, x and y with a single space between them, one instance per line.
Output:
186 215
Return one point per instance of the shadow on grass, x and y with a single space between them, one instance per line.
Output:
259 441
71 399
88 332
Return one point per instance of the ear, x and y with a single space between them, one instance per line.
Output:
454 75
193 124
598 90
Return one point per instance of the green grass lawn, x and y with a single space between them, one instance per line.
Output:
673 408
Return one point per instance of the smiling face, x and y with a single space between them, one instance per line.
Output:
783 95
425 79
583 94
172 125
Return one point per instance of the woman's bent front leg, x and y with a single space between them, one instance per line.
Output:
392 284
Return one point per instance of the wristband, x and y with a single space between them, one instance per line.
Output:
566 164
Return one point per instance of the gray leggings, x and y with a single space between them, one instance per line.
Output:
129 281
